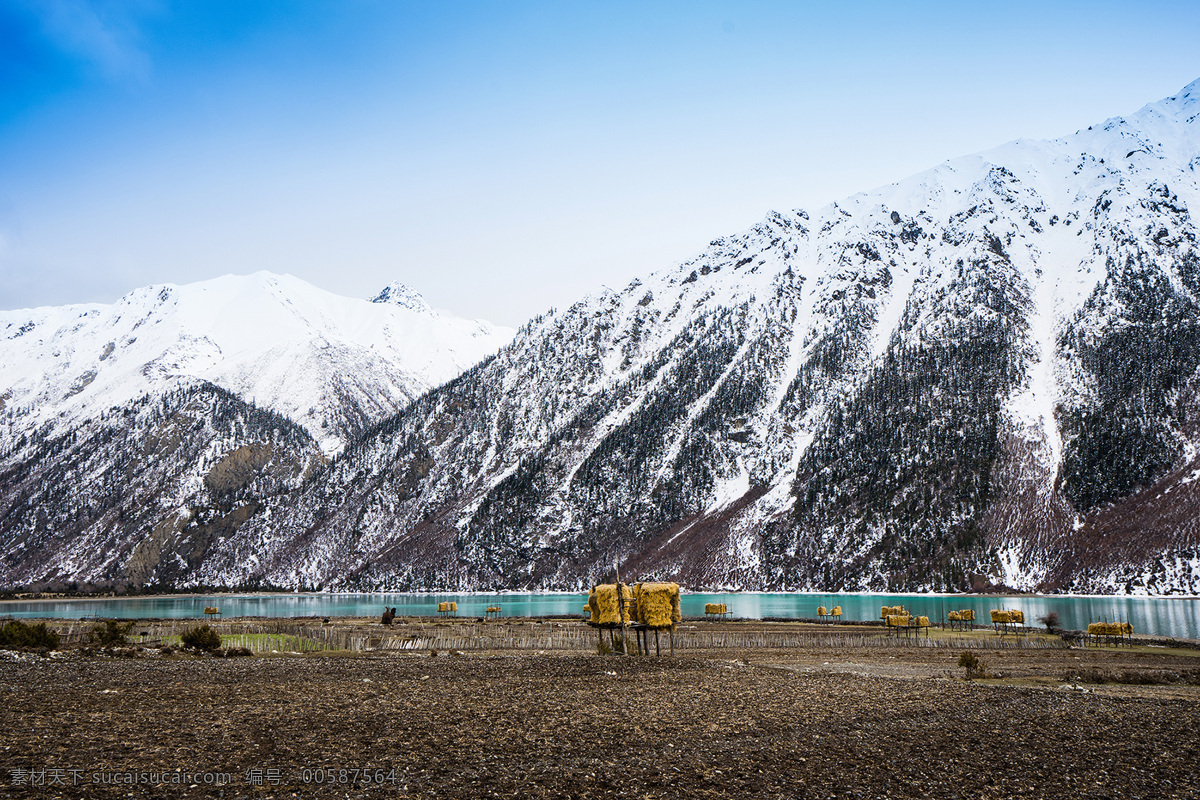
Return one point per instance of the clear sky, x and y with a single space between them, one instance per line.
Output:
506 157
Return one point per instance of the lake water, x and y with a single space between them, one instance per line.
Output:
1155 616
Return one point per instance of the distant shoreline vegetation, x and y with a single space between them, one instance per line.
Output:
54 591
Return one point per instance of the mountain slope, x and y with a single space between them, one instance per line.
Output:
139 495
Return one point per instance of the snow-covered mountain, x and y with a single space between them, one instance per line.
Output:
333 364
984 375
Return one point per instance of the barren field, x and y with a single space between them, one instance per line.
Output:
804 722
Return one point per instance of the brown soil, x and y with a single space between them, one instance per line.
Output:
802 723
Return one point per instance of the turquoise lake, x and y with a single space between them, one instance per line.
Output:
1155 616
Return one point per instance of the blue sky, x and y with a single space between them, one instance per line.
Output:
503 158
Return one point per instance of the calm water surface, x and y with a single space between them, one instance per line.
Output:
1156 616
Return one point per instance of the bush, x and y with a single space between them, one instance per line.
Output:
17 634
1050 620
111 633
974 667
201 638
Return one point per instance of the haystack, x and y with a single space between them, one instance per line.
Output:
605 608
1001 617
658 604
955 616
1017 616
443 608
968 615
1127 628
922 622
821 611
837 611
897 620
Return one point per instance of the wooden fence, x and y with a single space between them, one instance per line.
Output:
291 635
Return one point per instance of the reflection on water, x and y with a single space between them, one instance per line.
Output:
1156 616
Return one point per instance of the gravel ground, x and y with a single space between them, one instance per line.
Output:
812 723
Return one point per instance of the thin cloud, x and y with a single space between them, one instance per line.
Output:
106 36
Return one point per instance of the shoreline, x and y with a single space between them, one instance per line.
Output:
60 598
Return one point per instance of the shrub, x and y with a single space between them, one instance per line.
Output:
111 633
17 634
201 638
974 667
1050 620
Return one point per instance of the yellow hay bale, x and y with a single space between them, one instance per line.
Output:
1127 628
968 615
453 606
1017 616
1001 617
897 620
607 609
443 607
837 611
658 604
922 622
820 611
955 616
496 609
713 608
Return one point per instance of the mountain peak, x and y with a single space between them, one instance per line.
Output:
398 294
1192 90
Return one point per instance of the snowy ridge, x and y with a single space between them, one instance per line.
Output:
331 363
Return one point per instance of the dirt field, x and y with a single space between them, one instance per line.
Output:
814 722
